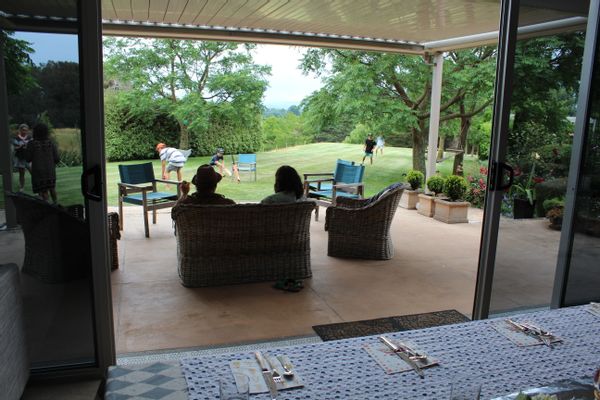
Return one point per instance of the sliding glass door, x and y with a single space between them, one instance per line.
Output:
533 141
54 203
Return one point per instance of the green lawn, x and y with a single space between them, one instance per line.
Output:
318 157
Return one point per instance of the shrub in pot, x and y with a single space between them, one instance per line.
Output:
410 198
554 211
452 210
435 184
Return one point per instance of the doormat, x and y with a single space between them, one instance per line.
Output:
346 330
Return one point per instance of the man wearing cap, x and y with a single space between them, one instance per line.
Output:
172 159
19 144
205 180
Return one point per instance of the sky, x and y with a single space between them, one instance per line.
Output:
287 85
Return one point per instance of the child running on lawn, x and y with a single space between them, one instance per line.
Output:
172 160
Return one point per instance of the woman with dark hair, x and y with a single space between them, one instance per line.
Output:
43 155
288 187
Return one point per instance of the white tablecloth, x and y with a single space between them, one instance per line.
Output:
471 351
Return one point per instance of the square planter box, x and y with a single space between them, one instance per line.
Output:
426 205
451 212
409 199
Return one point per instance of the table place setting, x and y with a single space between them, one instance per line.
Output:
396 356
525 333
593 308
266 373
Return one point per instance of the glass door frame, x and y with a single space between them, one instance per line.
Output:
581 126
503 93
88 27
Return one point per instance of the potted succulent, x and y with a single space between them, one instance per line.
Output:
452 210
435 184
554 211
410 198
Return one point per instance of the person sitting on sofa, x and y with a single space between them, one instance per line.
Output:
288 187
205 180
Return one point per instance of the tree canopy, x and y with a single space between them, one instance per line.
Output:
202 85
17 63
391 93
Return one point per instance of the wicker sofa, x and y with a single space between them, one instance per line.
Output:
242 243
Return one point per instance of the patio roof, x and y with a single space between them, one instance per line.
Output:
407 26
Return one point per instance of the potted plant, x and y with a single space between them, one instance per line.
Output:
410 198
554 211
523 194
452 210
435 184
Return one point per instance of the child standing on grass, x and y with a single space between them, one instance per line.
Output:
369 144
172 159
43 155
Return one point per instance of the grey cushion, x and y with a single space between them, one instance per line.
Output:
14 364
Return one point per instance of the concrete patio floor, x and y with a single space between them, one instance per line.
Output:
434 268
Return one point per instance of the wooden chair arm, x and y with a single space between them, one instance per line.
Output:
169 181
139 186
318 174
349 185
318 180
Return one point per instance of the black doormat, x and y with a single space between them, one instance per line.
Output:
345 330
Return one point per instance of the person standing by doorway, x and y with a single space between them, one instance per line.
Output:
43 155
19 144
369 145
379 143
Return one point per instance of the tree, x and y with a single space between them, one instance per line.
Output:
17 63
56 93
197 82
391 92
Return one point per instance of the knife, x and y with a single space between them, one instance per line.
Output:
266 373
411 363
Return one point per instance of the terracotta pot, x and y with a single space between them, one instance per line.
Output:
409 199
451 212
426 205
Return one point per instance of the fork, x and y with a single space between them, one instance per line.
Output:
287 367
277 378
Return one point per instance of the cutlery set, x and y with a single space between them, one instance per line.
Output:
271 376
534 331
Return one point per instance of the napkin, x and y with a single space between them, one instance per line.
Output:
593 308
390 362
517 336
252 370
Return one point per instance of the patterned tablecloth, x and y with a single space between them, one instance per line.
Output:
472 351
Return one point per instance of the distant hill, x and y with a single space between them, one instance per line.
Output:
278 112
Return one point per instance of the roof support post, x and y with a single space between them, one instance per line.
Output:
434 114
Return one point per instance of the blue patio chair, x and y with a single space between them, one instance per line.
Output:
138 186
247 163
325 183
348 183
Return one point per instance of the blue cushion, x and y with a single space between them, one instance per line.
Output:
155 197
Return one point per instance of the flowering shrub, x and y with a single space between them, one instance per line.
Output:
477 186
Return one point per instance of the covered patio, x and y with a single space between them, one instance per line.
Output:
434 268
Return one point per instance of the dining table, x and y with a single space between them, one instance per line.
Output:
469 353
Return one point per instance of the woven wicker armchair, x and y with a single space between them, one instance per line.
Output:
242 243
360 228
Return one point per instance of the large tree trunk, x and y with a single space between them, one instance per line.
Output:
184 136
441 147
418 150
465 124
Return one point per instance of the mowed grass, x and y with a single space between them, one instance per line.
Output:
310 158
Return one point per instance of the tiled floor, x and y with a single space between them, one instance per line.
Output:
434 268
